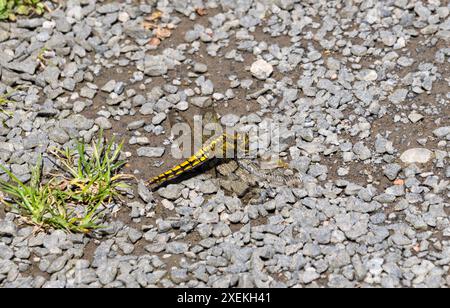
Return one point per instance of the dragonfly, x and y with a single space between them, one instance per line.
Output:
196 160
224 144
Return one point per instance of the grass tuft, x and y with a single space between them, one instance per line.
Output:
9 9
73 200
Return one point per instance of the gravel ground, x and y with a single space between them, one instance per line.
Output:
361 87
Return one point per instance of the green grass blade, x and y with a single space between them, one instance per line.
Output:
72 204
36 173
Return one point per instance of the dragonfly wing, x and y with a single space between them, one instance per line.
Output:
273 178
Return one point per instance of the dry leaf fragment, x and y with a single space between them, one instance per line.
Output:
154 42
201 11
149 25
63 185
156 15
399 182
163 33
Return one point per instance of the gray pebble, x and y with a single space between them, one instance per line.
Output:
151 152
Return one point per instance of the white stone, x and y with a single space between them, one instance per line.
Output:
76 12
416 156
168 205
182 106
310 275
151 152
368 75
261 69
159 118
372 16
230 120
398 96
123 17
442 131
415 117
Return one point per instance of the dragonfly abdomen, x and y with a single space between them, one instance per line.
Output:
194 161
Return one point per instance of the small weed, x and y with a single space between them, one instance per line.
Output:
9 9
42 57
73 200
5 99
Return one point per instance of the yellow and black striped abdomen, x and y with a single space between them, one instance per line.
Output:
194 161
